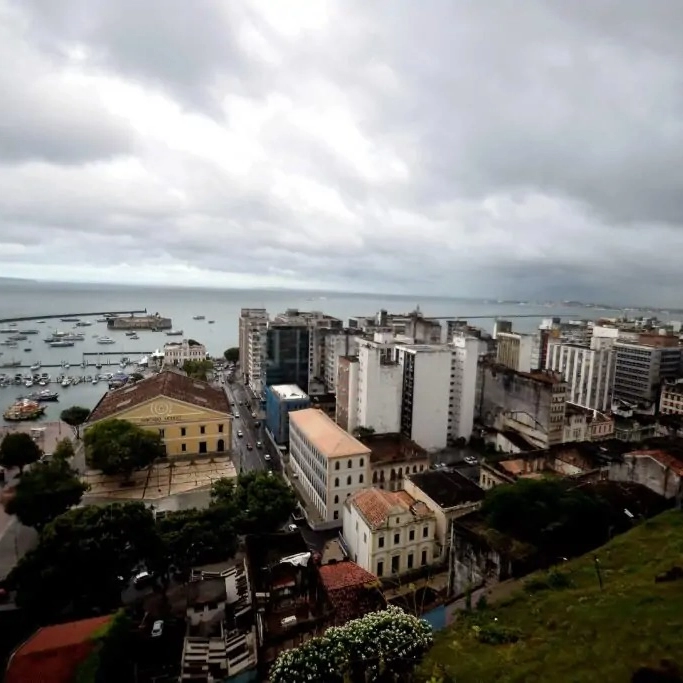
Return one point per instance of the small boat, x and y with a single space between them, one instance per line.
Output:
198 317
17 337
28 331
66 382
95 379
7 330
130 334
105 340
35 366
70 320
28 382
28 349
62 343
76 380
41 322
175 333
133 337
83 323
102 320
66 366
211 322
24 409
44 396
98 365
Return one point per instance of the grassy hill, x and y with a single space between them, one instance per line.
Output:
577 632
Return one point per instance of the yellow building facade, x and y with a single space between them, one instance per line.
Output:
199 423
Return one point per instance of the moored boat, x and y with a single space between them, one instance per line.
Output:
105 340
174 333
44 396
24 409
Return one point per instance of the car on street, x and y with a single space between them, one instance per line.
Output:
142 579
471 460
157 628
257 424
293 527
253 415
266 457
240 433
259 444
250 447
237 416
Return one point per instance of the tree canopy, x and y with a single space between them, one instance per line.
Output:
550 514
198 369
75 417
232 355
76 567
366 649
64 450
18 450
120 447
49 489
261 503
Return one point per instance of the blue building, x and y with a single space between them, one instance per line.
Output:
281 399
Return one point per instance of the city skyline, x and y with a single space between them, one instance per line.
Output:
527 152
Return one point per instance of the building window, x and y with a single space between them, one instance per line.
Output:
365 538
410 560
183 431
380 568
161 433
336 481
336 465
425 532
424 558
202 446
202 429
348 480
395 564
380 542
336 499
362 462
360 478
220 429
336 514
349 464
183 447
397 539
411 535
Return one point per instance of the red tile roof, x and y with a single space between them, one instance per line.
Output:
340 575
168 383
54 653
376 505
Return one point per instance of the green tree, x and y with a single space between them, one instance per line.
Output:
64 450
82 560
232 355
18 450
120 447
75 417
260 502
198 369
379 646
45 492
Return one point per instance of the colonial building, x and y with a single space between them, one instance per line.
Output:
389 532
192 417
393 458
176 353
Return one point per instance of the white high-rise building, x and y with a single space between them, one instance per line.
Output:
253 328
589 373
338 343
463 386
380 382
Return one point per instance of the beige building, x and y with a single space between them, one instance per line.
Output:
449 495
583 424
389 533
192 417
328 463
176 353
253 328
514 350
671 399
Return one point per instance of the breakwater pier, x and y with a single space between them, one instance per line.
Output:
53 316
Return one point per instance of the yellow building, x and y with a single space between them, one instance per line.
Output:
192 417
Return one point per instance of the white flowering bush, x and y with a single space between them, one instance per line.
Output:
363 649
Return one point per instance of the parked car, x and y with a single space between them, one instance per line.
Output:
259 444
142 579
471 460
237 416
250 447
157 628
240 433
266 457
293 527
253 415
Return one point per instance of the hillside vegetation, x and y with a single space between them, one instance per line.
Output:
562 627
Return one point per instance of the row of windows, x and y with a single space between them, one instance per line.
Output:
397 536
203 447
183 430
349 464
396 563
349 480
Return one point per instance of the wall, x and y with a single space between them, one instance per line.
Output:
353 528
346 412
463 395
184 427
645 470
339 488
379 389
390 475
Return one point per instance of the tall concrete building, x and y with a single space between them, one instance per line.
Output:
515 351
463 386
589 373
338 344
501 326
253 324
346 407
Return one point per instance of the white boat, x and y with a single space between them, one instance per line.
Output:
36 366
95 379
175 333
76 380
105 340
66 382
28 383
66 366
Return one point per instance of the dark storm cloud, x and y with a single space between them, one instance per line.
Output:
492 148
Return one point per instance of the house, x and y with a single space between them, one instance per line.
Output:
449 495
389 532
352 591
584 424
221 641
192 417
54 653
393 457
176 353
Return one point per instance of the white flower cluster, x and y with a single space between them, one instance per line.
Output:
381 639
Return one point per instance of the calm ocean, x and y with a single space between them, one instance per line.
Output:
19 298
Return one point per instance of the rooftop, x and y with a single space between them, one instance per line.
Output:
516 439
447 488
167 383
264 551
664 458
377 505
543 376
284 391
339 575
388 448
325 434
53 653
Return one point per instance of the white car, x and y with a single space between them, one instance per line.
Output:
293 527
471 460
237 416
157 628
240 433
266 457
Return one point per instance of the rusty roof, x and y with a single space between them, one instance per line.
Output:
339 575
54 653
167 383
325 434
377 505
663 458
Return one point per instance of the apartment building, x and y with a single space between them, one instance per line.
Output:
514 350
414 326
380 384
176 353
641 367
531 404
252 329
389 533
337 344
584 424
281 400
463 386
589 372
671 399
327 462
346 409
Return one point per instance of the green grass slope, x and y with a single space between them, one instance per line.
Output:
577 633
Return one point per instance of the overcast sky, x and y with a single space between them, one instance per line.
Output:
514 148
